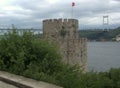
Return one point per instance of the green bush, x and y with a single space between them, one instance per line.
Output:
39 59
25 52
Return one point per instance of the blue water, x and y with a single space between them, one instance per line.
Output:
103 55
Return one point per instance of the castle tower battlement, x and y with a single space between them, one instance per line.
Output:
74 21
53 27
65 33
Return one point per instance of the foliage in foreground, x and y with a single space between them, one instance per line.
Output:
39 59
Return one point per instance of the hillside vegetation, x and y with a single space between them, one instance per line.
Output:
38 59
100 35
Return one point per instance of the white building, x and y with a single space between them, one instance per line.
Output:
118 38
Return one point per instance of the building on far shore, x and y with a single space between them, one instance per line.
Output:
118 38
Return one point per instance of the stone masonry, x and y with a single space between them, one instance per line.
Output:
65 33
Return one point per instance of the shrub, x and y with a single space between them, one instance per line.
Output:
25 52
39 59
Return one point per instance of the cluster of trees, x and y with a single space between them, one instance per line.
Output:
99 35
36 58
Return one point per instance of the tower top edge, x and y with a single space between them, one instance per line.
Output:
60 20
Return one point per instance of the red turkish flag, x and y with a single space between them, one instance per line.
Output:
73 4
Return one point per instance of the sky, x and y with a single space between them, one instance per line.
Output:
31 13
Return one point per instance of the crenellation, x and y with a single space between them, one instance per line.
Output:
65 33
63 21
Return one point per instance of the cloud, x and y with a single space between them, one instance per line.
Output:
30 13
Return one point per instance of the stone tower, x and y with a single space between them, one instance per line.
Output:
65 33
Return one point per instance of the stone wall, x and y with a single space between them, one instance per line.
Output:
65 33
22 82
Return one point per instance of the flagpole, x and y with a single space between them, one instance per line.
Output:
73 4
72 11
